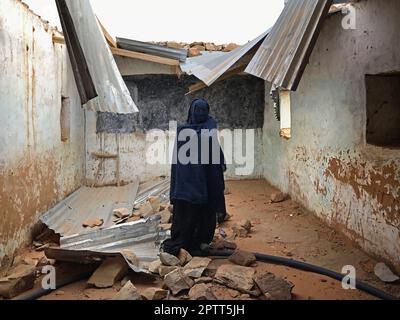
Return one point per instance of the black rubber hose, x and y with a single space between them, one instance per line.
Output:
40 292
310 268
37 293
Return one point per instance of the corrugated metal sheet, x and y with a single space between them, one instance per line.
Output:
67 217
83 79
208 68
158 189
143 238
154 49
282 57
77 244
113 95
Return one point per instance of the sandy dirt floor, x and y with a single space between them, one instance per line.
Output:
282 229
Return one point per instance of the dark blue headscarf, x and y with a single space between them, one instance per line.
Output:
199 183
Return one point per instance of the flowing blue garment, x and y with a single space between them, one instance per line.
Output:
200 181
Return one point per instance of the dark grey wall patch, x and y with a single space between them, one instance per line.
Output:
237 102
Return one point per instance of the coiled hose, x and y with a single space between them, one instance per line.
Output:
310 268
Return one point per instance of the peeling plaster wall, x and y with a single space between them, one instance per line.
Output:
133 149
160 97
37 169
327 165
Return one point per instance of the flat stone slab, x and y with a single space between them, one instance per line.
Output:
273 287
109 272
196 267
178 281
128 292
154 294
243 258
236 277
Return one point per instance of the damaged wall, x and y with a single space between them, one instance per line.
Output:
236 103
327 165
37 169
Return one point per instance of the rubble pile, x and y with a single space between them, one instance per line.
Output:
196 48
173 277
201 278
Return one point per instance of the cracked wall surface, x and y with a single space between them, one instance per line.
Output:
327 165
37 169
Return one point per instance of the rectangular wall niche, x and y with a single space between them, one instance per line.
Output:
383 110
65 119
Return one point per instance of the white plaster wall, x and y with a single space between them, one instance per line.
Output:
133 147
327 165
135 150
37 169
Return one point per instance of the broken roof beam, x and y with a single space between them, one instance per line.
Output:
109 38
144 56
58 39
130 54
230 73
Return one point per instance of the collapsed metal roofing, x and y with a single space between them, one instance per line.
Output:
98 79
208 68
79 244
68 216
154 49
280 54
282 57
141 238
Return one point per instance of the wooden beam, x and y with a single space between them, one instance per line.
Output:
58 39
131 54
230 73
109 38
104 155
144 56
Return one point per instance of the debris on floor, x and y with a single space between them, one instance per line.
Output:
274 288
184 257
128 292
17 281
243 258
154 294
109 272
93 223
177 281
236 277
383 272
169 260
201 291
164 270
121 213
196 266
243 230
278 197
154 266
87 207
224 244
133 254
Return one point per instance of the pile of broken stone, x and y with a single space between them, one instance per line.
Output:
201 278
196 48
153 207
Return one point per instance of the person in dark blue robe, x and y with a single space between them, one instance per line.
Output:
197 182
